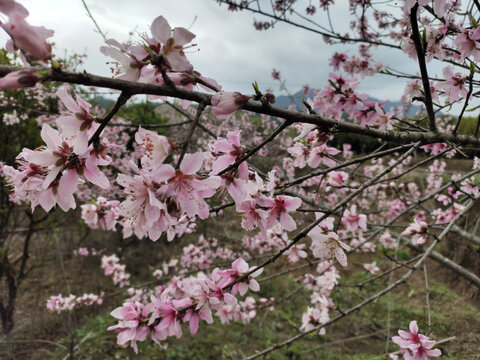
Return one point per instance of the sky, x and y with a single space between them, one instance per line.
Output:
228 49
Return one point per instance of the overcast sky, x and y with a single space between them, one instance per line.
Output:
229 49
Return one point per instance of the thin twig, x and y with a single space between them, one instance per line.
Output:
200 109
122 99
467 98
427 300
423 68
251 152
94 22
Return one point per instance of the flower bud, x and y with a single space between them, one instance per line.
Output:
19 79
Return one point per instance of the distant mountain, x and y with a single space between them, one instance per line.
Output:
284 101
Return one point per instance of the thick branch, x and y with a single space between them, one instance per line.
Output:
134 88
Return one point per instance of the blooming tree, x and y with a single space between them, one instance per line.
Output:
315 203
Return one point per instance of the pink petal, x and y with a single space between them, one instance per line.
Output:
240 265
222 163
94 175
163 173
413 327
223 145
69 125
46 199
194 324
51 176
182 36
254 286
67 186
81 143
434 352
152 213
161 30
341 257
292 203
51 137
234 137
230 299
287 222
68 101
191 163
206 314
242 288
116 54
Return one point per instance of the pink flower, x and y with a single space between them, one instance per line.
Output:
470 186
300 153
173 41
322 155
406 339
227 152
387 240
239 268
225 104
372 267
280 207
275 74
337 178
328 245
143 212
128 66
19 79
383 119
194 315
217 296
416 231
454 85
77 121
188 189
313 318
253 216
354 221
296 253
156 147
169 313
132 326
423 351
337 60
419 345
64 164
434 148
30 39
467 43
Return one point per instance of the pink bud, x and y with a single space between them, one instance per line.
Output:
226 103
270 97
19 79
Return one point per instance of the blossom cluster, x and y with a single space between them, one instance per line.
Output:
188 300
102 214
51 174
415 345
112 267
58 303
